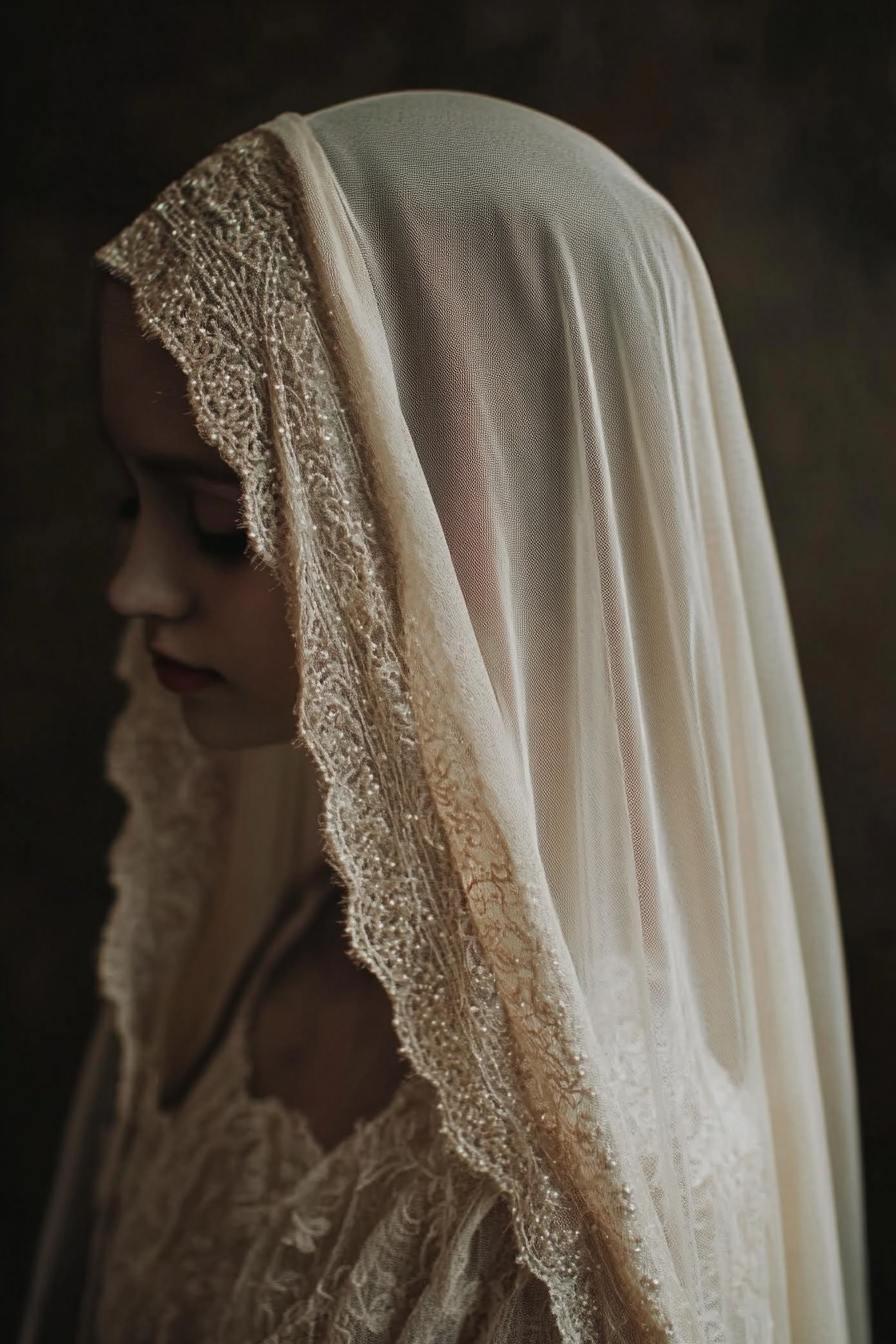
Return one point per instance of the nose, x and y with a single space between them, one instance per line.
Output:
150 582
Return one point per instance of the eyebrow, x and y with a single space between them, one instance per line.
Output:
164 465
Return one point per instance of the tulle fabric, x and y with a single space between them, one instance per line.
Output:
472 372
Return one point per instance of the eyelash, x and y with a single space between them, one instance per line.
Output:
218 545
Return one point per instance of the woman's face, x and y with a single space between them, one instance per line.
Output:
214 621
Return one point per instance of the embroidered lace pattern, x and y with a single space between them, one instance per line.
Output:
219 275
232 1225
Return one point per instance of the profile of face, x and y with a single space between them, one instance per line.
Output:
214 620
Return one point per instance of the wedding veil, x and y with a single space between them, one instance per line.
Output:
473 376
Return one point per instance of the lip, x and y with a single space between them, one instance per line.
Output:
181 678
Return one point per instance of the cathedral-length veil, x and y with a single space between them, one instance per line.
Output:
472 374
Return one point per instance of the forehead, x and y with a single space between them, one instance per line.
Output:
143 393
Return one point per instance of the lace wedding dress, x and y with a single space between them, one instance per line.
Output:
230 1223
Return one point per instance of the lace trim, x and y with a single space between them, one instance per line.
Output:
219 276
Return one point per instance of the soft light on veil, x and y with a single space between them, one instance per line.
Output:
472 373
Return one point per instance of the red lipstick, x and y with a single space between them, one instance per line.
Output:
181 678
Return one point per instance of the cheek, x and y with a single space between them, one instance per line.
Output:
262 644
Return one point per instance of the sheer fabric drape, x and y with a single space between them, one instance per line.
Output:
472 372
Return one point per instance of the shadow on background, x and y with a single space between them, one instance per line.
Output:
770 124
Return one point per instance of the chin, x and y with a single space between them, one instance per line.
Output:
223 728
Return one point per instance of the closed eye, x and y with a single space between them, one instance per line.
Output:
223 545
226 542
217 520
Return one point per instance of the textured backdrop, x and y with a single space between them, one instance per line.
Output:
770 124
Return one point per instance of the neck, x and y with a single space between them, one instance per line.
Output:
274 847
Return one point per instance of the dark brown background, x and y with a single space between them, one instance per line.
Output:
770 125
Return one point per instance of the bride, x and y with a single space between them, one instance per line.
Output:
474 973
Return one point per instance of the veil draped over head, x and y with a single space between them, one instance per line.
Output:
472 375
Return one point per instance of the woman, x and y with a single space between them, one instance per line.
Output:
546 1037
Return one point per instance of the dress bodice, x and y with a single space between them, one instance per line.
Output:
229 1222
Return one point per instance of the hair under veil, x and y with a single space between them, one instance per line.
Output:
472 375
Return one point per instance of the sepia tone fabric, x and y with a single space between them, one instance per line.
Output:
472 375
231 1222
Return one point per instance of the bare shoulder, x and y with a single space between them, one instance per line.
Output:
321 1037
